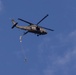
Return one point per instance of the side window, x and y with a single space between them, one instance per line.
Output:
33 27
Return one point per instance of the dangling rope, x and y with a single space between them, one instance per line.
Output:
22 48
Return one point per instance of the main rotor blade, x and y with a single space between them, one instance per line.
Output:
25 21
42 19
47 28
25 32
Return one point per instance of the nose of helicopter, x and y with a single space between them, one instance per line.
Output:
45 33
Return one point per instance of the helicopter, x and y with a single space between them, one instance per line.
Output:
33 28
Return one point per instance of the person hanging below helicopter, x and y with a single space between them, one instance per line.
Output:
22 49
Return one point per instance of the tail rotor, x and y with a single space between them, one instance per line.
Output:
14 23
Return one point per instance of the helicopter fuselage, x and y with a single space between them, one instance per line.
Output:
33 29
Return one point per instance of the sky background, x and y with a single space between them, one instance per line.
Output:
51 54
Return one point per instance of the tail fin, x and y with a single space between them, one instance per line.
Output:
14 23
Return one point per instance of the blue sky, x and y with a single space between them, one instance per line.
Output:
51 54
